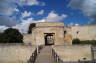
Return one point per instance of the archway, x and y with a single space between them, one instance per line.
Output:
49 38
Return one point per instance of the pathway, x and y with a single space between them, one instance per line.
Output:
45 56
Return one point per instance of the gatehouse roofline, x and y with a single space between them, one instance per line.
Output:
49 24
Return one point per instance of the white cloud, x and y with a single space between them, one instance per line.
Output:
16 9
7 8
40 12
86 6
2 28
24 26
73 24
54 17
30 2
76 24
26 14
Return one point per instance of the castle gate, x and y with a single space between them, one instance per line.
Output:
49 38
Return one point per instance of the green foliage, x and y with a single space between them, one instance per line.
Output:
75 41
30 27
92 42
11 36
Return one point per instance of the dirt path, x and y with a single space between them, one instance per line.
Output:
45 56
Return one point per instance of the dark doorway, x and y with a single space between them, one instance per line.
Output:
49 38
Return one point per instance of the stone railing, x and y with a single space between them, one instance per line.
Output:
33 57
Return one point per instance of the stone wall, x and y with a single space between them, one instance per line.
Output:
84 32
15 53
73 53
27 39
67 35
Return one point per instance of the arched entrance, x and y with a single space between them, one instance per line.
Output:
49 38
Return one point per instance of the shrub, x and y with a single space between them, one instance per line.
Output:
11 35
75 41
92 42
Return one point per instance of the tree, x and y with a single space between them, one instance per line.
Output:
11 35
30 27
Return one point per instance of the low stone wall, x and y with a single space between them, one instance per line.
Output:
16 53
73 53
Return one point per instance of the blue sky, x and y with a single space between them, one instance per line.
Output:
60 7
20 13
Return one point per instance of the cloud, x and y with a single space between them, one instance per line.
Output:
73 24
16 9
30 2
26 14
40 12
7 18
8 21
76 24
24 26
2 28
7 7
54 17
88 7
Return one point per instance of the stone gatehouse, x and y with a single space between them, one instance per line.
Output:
48 33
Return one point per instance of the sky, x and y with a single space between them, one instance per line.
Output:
20 14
